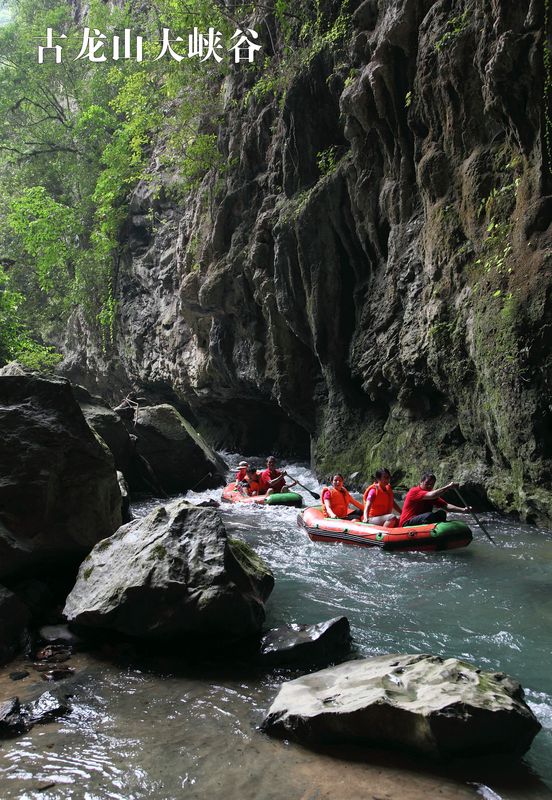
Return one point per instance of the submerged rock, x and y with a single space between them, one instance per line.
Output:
170 574
46 708
438 707
16 719
307 644
177 455
59 492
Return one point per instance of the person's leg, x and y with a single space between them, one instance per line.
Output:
428 518
387 520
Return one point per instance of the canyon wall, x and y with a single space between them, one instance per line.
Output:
368 280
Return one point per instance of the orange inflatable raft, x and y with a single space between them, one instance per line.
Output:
231 495
437 536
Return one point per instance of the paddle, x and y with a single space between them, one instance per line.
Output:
313 494
476 518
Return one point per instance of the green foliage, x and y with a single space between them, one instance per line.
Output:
496 212
454 27
408 99
15 341
47 230
327 160
77 139
304 36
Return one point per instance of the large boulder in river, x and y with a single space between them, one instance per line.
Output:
173 573
58 487
438 707
178 456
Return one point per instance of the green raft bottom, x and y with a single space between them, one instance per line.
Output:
454 527
284 499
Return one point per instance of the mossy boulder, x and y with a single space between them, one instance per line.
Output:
169 575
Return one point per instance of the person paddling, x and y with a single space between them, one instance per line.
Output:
274 480
379 501
336 501
420 500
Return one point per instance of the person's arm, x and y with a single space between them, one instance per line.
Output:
367 506
438 492
327 506
459 509
275 480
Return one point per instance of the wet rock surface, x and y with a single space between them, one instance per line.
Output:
170 574
59 492
306 644
17 718
433 706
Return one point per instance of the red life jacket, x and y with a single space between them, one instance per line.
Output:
253 487
382 502
339 501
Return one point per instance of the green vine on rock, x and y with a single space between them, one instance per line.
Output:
455 26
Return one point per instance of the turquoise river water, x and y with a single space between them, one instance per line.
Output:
164 732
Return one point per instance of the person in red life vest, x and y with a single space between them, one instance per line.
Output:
336 501
241 471
274 480
252 483
419 501
379 502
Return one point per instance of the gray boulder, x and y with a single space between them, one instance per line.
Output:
178 456
438 707
306 644
170 574
58 487
109 425
14 616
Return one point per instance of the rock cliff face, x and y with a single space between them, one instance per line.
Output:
371 276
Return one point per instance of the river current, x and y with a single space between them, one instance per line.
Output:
166 732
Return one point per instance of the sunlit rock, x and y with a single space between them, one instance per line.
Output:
438 707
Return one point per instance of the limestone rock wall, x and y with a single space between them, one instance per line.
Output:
393 306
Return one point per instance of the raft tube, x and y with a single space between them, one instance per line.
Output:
437 536
231 495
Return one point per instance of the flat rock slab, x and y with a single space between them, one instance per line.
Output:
306 644
422 703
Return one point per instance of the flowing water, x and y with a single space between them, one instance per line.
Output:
138 732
